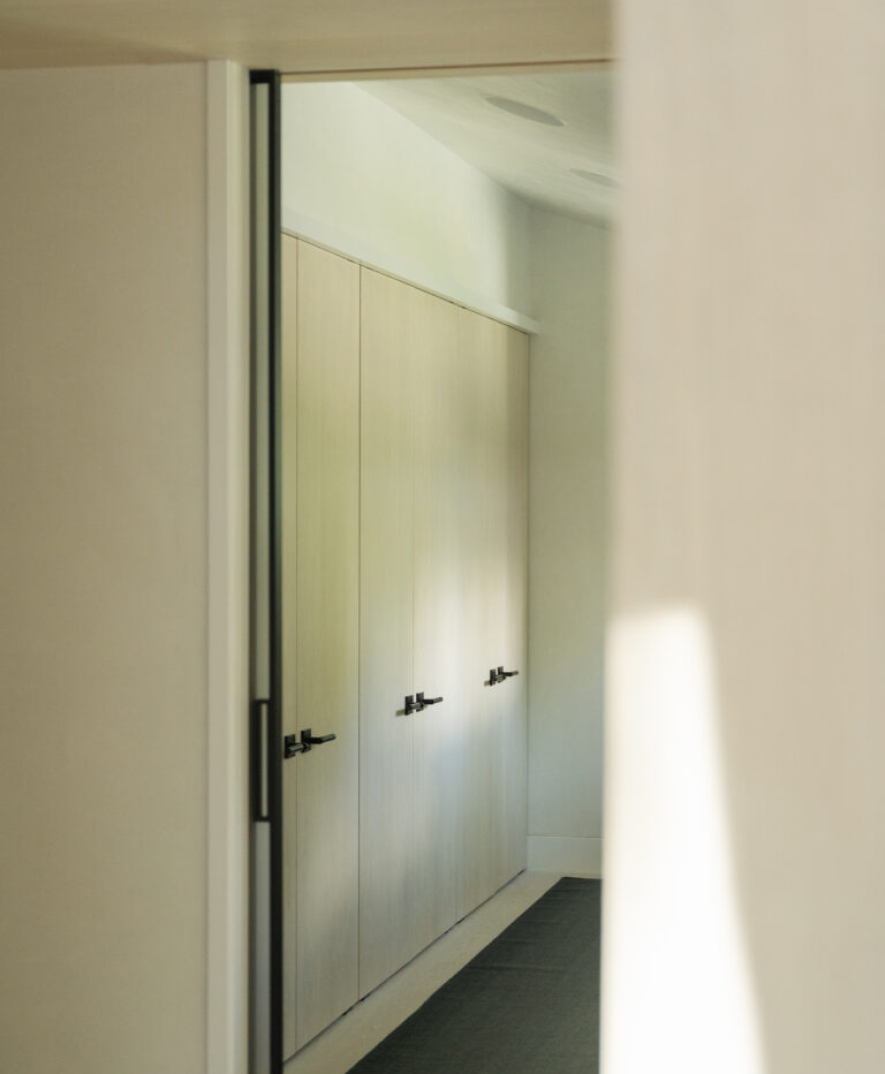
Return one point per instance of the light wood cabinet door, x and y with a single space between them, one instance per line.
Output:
439 608
514 649
389 883
410 614
482 359
320 592
493 362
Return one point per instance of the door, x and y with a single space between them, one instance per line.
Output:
481 360
440 601
512 693
494 368
389 887
410 604
320 648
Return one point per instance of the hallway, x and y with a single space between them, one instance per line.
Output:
353 1036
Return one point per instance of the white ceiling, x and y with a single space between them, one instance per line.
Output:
304 35
534 160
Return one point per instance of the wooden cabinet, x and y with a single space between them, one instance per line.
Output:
405 540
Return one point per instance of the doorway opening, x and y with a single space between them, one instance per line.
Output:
423 226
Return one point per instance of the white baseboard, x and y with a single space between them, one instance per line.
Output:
565 854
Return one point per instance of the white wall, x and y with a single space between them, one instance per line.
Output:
567 541
384 190
228 567
745 806
103 573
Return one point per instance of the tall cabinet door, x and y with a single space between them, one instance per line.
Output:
388 883
320 592
441 600
481 357
493 360
409 613
512 693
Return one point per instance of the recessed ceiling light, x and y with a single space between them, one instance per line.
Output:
594 177
525 111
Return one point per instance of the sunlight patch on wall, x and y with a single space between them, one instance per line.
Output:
678 991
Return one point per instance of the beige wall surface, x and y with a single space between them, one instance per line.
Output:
310 35
102 573
569 374
745 805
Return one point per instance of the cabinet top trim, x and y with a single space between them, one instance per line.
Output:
337 242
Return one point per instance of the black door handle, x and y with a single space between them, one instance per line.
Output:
498 674
316 740
418 703
421 702
306 743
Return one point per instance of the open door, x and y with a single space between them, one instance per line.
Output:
266 866
306 387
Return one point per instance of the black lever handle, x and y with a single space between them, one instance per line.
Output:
307 742
506 674
316 740
421 702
